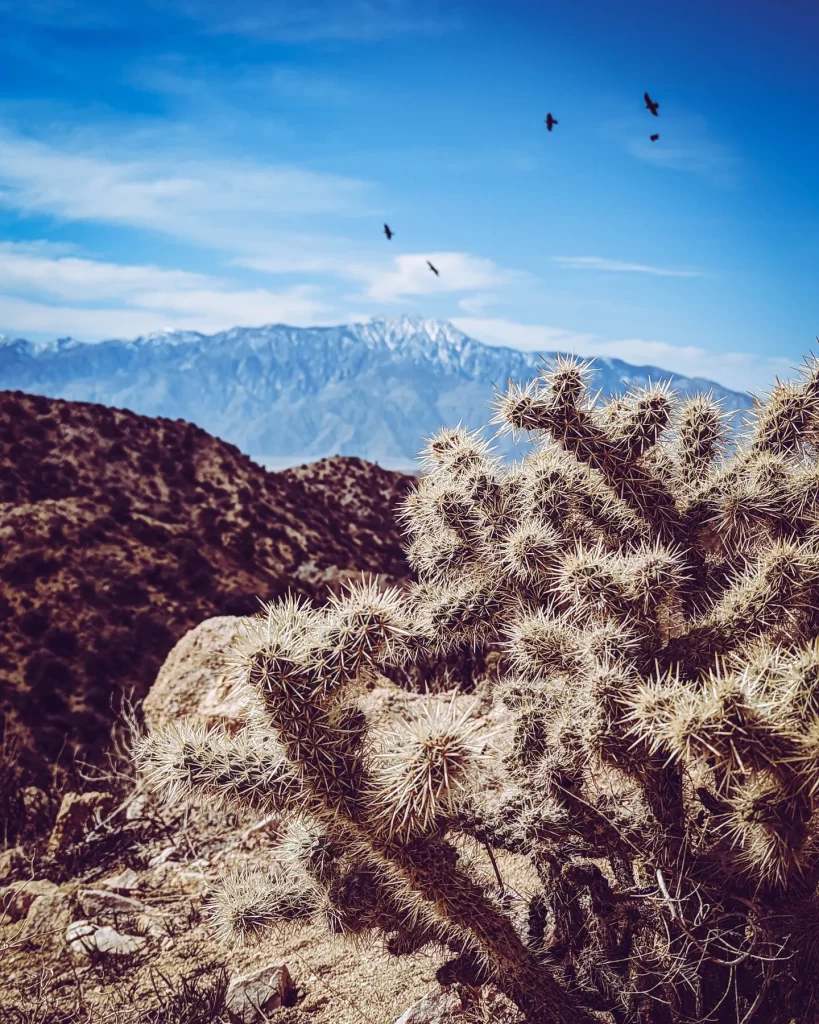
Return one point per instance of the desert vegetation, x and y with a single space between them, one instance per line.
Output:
119 533
650 581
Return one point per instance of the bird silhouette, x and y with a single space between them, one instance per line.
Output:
654 137
651 104
550 122
434 271
387 232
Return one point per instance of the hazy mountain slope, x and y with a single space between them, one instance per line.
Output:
118 533
373 390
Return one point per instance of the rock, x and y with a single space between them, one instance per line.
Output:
162 856
252 997
112 943
126 881
195 681
84 939
36 813
78 813
440 1007
12 862
110 905
80 937
48 918
170 876
138 807
16 899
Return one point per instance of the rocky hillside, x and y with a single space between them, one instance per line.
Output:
118 533
281 393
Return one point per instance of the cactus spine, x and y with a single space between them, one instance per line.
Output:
652 586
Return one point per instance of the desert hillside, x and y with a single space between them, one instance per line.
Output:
119 532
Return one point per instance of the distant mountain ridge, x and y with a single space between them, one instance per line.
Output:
284 394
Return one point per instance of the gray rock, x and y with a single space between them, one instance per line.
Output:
138 807
84 939
252 997
121 910
78 814
47 920
80 937
110 905
126 881
112 943
441 1007
16 899
12 864
162 857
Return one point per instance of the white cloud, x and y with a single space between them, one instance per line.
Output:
685 144
206 311
618 266
740 371
228 308
476 305
383 278
349 20
37 268
528 337
233 205
410 275
145 298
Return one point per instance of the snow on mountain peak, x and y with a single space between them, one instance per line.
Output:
371 389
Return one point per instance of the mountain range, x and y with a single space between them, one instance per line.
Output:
285 395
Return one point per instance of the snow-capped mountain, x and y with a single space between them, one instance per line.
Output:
288 394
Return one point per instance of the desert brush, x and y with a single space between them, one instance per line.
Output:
650 577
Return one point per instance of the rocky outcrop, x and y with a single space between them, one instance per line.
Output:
252 997
118 533
195 681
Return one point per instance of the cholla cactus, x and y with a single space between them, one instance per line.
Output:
652 584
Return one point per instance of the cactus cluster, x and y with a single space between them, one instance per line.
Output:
649 577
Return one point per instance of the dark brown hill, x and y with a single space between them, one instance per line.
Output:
119 532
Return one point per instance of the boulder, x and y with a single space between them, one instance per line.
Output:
84 939
126 881
12 864
78 814
46 922
251 997
16 899
110 942
36 813
121 910
441 1007
195 681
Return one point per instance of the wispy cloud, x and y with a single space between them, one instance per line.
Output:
410 275
619 266
740 371
36 281
215 202
348 20
686 144
273 20
385 279
528 337
476 305
39 269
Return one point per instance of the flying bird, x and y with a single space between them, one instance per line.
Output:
434 271
550 122
651 104
654 137
387 232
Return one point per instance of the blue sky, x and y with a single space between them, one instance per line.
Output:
204 163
